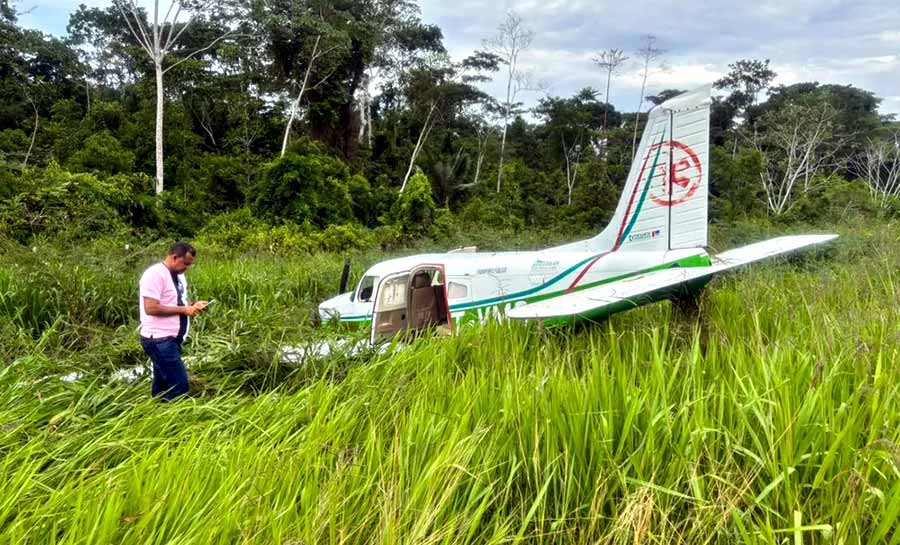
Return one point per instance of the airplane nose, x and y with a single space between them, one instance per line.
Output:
325 314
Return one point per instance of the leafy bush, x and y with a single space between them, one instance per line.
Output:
8 181
362 199
285 238
53 201
240 230
488 213
735 185
176 216
102 153
832 200
13 143
594 199
313 187
231 229
413 212
519 202
340 238
215 182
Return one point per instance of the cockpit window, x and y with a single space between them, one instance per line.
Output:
366 288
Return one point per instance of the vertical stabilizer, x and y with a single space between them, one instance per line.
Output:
665 200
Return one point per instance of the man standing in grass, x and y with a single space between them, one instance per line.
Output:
165 317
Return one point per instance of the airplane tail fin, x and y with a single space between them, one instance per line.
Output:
664 203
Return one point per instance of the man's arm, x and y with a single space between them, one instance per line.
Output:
153 308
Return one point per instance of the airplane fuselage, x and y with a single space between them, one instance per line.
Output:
485 285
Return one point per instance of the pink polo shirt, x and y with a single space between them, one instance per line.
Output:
156 283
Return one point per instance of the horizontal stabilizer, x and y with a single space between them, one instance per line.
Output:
632 291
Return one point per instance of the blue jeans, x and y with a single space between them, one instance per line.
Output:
169 375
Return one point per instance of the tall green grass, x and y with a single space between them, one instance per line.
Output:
774 419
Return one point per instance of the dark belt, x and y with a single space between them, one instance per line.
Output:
158 340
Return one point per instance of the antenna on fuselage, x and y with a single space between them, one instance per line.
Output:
345 276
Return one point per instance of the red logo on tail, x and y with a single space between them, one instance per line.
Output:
683 177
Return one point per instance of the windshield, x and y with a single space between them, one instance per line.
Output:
366 287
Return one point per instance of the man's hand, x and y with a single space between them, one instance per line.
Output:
195 308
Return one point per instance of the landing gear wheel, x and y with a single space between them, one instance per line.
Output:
688 316
687 305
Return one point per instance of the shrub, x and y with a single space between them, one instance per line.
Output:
285 238
413 212
489 213
13 143
176 216
832 200
102 153
240 230
340 238
735 185
214 182
231 229
312 187
52 201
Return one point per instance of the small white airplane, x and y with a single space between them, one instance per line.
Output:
652 249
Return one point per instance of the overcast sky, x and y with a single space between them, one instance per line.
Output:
828 41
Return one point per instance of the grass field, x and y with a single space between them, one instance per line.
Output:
775 419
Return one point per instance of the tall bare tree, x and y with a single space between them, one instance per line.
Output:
157 39
879 165
512 38
482 133
801 142
423 137
610 60
572 154
318 51
34 129
650 56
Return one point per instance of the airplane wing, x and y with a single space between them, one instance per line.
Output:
636 290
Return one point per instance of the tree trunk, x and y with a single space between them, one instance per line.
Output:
296 103
423 136
159 128
287 127
500 167
33 136
637 116
506 112
606 98
365 116
482 148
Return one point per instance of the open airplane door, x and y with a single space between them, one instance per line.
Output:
410 302
389 316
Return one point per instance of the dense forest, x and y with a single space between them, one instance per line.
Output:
300 125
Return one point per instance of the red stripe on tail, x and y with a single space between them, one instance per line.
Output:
621 227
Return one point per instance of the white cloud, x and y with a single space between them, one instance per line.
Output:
890 37
830 41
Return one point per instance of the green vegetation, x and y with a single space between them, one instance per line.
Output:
355 117
773 421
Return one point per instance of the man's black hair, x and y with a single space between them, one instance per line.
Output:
181 249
